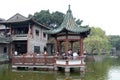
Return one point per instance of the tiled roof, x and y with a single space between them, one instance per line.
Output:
18 18
70 25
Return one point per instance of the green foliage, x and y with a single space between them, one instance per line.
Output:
97 32
97 41
57 18
114 41
48 19
44 17
52 20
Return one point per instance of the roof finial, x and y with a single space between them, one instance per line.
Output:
69 6
69 10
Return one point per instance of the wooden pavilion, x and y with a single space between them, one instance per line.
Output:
69 32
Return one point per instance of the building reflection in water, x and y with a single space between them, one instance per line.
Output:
70 76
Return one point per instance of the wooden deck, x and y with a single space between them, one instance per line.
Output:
50 62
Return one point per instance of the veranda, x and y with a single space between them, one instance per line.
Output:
47 62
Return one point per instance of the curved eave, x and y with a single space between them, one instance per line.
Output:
77 30
53 31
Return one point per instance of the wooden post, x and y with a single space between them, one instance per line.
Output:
23 59
72 45
34 59
67 49
45 59
56 44
66 46
28 36
60 47
41 33
81 45
10 54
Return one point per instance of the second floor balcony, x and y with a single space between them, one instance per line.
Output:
19 37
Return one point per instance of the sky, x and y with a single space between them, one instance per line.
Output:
95 13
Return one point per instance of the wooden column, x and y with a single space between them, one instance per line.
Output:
28 36
66 45
60 47
66 50
72 45
81 45
56 44
10 52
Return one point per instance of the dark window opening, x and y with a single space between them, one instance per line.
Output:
5 50
37 32
20 31
44 35
37 49
21 48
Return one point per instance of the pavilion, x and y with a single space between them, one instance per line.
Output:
69 31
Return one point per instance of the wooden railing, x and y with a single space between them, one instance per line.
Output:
39 60
33 60
70 60
19 37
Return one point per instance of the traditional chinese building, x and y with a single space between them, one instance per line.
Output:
28 36
25 35
69 32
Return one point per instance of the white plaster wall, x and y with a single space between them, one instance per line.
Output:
37 40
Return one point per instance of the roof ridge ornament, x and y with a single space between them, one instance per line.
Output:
69 10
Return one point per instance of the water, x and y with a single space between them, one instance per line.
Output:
108 69
114 73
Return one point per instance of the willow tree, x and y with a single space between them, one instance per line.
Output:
97 41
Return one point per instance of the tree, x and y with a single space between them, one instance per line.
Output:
114 41
44 17
53 19
57 18
97 41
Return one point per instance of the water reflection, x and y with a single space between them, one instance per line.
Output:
114 73
69 76
109 69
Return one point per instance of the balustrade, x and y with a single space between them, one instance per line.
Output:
46 60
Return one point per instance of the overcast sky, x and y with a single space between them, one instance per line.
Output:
98 13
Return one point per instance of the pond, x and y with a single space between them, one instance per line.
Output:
108 69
